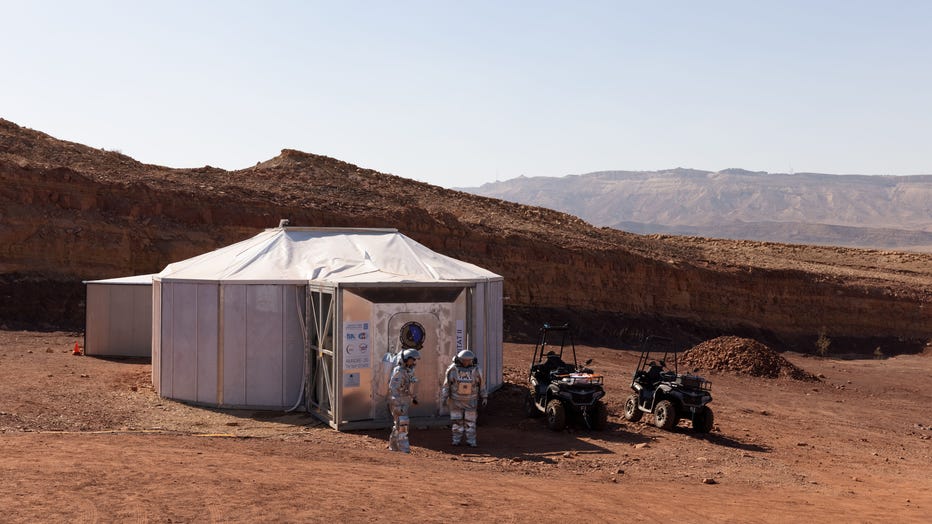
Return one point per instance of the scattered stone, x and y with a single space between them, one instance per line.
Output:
801 444
708 480
642 445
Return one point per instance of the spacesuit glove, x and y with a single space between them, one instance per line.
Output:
485 402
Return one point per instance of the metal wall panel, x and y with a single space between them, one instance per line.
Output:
141 345
156 333
358 382
233 348
264 343
97 320
207 331
121 311
166 368
184 319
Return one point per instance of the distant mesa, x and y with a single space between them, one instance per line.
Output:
860 211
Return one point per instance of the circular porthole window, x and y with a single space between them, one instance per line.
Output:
412 335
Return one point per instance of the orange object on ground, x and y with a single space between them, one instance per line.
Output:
77 349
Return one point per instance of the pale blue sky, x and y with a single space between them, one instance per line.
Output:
462 93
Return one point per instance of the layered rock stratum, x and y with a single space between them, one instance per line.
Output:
70 213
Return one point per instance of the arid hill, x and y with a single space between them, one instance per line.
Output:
69 213
876 212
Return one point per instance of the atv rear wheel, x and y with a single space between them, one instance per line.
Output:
556 415
530 408
665 416
632 412
703 420
598 416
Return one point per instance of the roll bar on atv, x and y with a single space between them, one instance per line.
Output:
654 345
549 336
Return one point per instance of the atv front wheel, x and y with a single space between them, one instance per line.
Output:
598 416
703 420
530 408
556 415
632 411
665 415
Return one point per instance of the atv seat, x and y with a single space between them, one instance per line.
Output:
641 377
544 371
654 373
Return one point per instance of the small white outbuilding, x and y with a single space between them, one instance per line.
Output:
313 317
118 317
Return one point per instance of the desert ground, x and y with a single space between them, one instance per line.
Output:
85 439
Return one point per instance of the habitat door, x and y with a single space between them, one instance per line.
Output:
421 331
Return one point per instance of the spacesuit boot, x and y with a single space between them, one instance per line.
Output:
403 445
398 441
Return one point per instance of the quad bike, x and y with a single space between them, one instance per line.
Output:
561 390
660 389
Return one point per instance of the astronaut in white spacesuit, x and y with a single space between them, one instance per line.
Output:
401 396
463 387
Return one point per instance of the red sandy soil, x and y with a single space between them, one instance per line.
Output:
85 439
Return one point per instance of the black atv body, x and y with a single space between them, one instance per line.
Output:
670 396
563 390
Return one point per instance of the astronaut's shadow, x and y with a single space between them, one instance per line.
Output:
504 431
519 439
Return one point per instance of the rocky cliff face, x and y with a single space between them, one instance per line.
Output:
70 213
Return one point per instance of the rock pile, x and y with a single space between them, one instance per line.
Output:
743 356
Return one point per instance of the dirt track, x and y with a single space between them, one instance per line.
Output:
86 440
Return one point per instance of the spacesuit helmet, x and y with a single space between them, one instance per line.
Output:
465 358
410 354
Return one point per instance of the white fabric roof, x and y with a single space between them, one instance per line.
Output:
325 255
136 279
